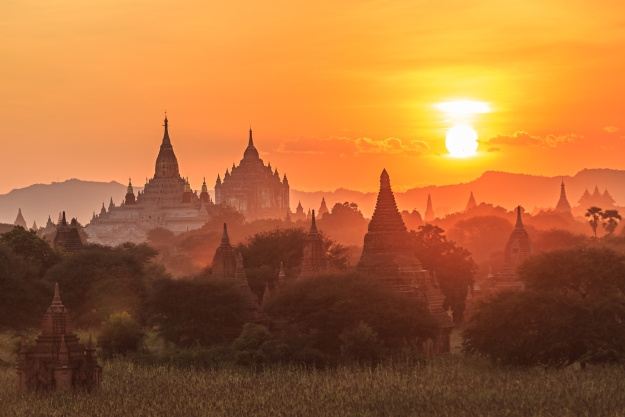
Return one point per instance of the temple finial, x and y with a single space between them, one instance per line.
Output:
250 144
313 225
225 240
57 298
519 222
166 140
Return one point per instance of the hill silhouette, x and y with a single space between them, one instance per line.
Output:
81 198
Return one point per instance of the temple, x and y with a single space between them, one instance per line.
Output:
252 188
299 213
67 237
563 205
323 209
518 249
58 362
314 260
19 220
596 199
471 203
388 256
224 261
429 211
166 201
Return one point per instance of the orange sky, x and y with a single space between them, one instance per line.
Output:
334 90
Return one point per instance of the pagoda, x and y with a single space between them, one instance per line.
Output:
471 203
224 261
252 188
19 220
518 249
429 211
323 209
58 362
563 205
314 260
388 256
67 236
166 201
299 213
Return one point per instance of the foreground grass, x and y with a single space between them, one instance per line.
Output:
454 386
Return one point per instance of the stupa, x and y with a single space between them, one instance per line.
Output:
429 211
252 188
471 203
563 205
299 213
314 261
19 220
388 256
224 261
58 362
323 209
518 249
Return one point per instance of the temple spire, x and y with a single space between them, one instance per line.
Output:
250 143
519 221
57 298
166 140
313 225
225 240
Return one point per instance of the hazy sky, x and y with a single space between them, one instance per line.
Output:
334 90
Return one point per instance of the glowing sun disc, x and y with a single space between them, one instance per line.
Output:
461 141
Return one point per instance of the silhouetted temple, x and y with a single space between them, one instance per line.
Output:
19 220
314 261
323 209
471 203
167 201
388 255
58 362
67 236
596 199
224 261
253 189
563 204
429 211
299 213
518 249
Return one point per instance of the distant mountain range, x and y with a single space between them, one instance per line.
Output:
81 198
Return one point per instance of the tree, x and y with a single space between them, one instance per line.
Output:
612 218
583 272
481 235
35 251
201 311
528 328
345 223
594 214
453 265
558 239
120 334
329 305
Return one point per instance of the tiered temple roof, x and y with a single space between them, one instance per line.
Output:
314 261
58 362
388 256
563 204
224 261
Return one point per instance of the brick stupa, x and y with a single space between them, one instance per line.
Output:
388 256
314 261
224 261
58 362
518 249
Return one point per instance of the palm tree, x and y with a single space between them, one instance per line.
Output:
594 214
613 219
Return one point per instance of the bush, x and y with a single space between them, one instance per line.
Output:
120 334
361 344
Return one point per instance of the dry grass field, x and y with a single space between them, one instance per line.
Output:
452 386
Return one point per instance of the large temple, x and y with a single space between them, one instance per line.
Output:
253 188
166 201
388 256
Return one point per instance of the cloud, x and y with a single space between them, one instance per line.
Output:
493 149
611 129
521 138
353 147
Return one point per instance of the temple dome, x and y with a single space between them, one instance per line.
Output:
250 152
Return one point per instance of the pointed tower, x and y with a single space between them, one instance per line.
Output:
563 205
67 237
19 220
314 259
187 193
308 216
58 362
250 154
130 193
429 211
35 228
388 256
166 162
204 196
224 261
470 204
518 249
323 209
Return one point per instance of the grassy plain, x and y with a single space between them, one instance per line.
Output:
451 386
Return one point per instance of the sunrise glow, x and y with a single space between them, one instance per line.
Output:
464 107
461 141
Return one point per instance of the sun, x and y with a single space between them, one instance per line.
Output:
461 141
